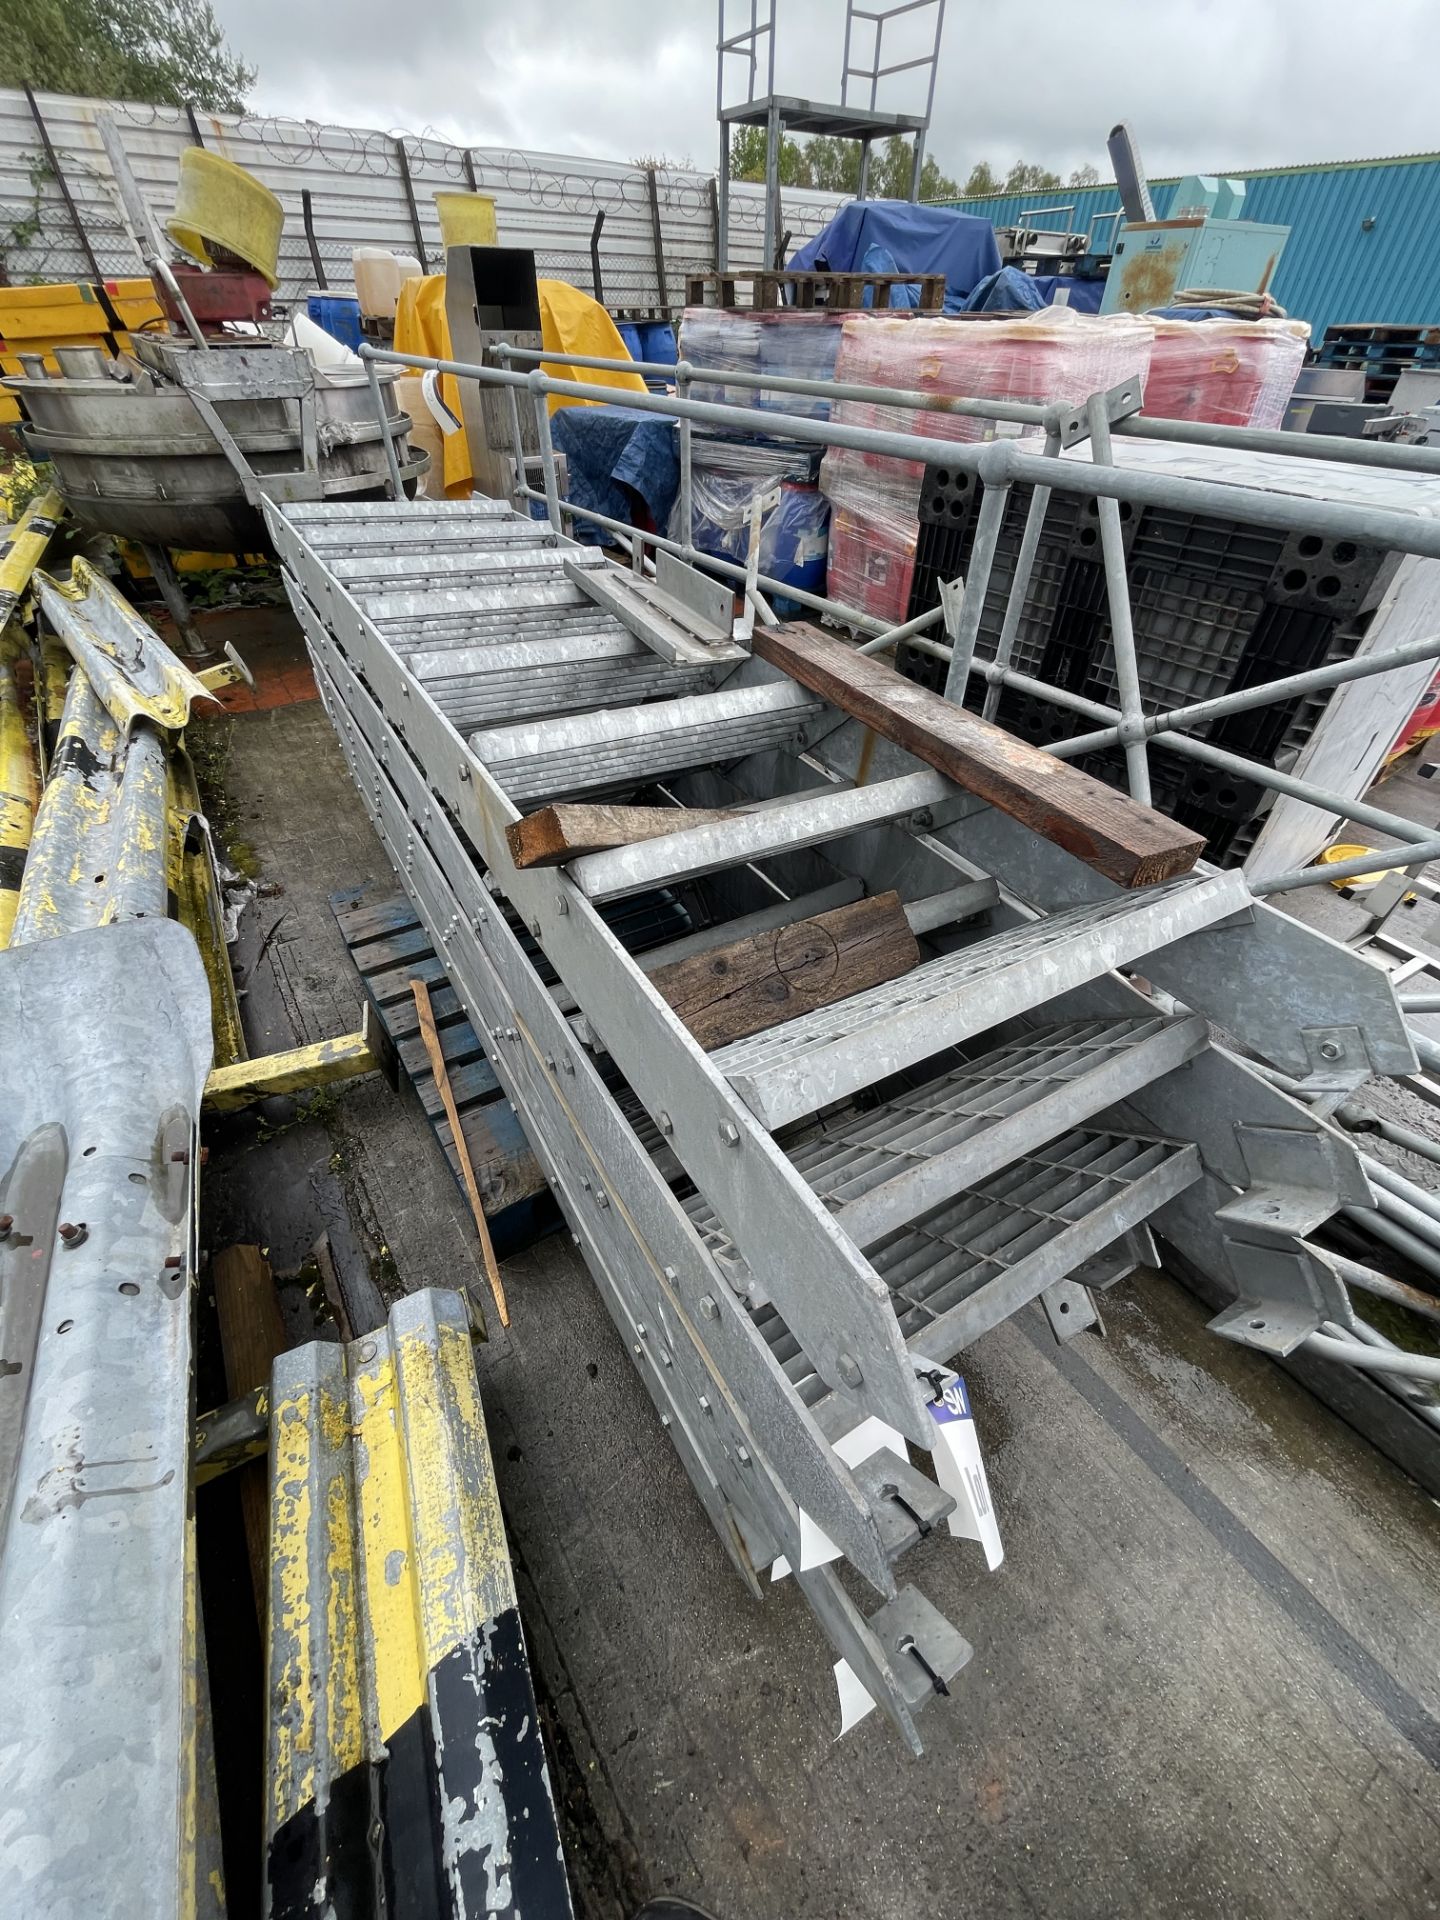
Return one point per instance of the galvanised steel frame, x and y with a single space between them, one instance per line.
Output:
699 1286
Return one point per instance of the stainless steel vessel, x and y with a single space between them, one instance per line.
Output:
134 454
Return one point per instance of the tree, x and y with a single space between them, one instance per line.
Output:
982 181
833 165
747 158
1026 177
168 52
1086 176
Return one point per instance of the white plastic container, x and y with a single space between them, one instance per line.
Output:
379 276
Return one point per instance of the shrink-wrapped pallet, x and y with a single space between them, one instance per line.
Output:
1052 355
799 346
1237 373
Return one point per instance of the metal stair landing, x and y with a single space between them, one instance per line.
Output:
789 1071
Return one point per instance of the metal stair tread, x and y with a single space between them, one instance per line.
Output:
973 1120
539 760
819 1057
1024 1228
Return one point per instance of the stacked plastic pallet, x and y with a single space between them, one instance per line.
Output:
1053 355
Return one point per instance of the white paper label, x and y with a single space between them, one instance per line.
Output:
855 1702
961 1471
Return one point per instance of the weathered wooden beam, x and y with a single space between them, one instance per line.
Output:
774 975
1109 831
556 834
304 1069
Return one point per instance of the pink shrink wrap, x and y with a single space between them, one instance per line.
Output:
1052 355
1236 373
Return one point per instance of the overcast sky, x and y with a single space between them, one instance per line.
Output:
1206 84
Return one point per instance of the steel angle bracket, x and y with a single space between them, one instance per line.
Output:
104 1047
736 1420
130 667
403 1744
1286 1289
1070 426
1286 1292
684 621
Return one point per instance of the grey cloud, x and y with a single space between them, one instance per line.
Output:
1207 83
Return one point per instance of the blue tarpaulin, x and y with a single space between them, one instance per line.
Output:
1013 291
615 456
922 239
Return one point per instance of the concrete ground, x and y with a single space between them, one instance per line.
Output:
1204 1680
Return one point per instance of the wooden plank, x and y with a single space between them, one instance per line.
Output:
251 1334
556 834
1128 843
442 1081
774 975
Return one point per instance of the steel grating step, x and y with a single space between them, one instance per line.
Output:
821 1057
977 1260
502 626
451 568
796 821
586 752
405 514
490 686
882 1168
340 546
421 602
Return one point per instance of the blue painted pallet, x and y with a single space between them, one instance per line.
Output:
390 948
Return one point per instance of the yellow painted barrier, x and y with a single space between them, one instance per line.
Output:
68 314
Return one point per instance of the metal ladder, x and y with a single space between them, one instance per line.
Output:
800 1231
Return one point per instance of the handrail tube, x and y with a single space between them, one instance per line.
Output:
1395 455
1313 680
998 462
1410 1366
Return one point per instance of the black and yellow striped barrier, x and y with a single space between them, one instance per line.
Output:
403 1744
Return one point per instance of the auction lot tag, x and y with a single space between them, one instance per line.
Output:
961 1471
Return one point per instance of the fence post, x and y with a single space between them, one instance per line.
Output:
53 159
415 227
659 242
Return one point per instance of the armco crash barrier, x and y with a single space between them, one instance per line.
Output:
403 1741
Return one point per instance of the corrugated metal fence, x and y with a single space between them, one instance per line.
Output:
358 181
1335 267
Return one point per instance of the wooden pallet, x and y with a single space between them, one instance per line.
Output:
390 948
836 292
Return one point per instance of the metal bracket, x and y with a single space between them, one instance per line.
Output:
229 672
1070 424
1070 1308
681 615
1286 1292
760 504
